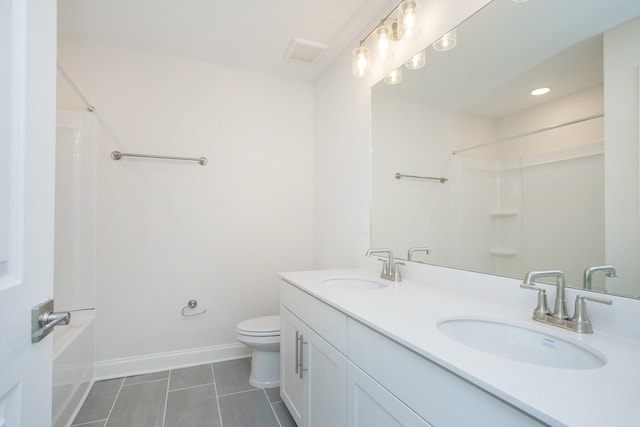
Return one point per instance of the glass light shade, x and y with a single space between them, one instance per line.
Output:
384 39
417 61
408 18
361 61
394 77
446 42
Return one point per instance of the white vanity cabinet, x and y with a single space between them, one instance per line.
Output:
336 371
313 366
436 395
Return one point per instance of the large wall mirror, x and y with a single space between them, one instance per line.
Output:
532 182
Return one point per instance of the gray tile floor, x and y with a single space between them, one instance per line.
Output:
211 395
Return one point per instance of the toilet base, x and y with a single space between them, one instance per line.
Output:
265 369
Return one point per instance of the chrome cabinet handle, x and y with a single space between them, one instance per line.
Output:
297 352
301 355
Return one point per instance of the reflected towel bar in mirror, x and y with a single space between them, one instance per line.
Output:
441 179
116 155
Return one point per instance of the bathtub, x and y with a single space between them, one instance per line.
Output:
73 348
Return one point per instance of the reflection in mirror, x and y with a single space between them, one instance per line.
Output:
533 182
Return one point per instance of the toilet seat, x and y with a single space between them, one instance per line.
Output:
267 326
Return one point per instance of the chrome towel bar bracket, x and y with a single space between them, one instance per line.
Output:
116 155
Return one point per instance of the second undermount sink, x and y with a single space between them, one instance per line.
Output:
353 283
520 343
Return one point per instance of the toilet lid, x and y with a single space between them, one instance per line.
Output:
262 326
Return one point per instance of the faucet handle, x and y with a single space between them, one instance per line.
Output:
542 309
596 299
580 321
530 287
396 270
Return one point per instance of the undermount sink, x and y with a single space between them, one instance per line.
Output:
353 283
520 343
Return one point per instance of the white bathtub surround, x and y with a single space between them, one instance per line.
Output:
73 374
408 311
74 261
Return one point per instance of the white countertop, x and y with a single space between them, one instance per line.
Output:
408 312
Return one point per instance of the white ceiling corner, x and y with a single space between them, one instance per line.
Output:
253 34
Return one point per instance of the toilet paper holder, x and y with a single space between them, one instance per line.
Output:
191 304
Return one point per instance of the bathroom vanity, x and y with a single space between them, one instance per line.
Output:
357 350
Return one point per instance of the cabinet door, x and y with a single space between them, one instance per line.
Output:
292 388
326 381
371 405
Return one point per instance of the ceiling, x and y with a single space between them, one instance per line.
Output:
250 34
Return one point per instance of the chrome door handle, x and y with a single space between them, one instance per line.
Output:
44 319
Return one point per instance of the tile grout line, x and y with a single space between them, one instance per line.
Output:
190 387
88 422
143 382
240 392
114 402
166 399
215 390
264 390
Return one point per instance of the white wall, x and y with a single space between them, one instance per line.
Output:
342 140
168 231
622 64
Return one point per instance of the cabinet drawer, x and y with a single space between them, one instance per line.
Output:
437 395
326 321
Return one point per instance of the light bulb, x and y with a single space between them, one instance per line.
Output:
384 38
446 42
361 59
409 26
417 61
394 77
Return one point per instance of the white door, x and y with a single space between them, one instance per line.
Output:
27 147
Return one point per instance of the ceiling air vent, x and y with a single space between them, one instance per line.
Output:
304 51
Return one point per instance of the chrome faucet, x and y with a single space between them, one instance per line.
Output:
579 322
608 270
390 270
560 306
418 249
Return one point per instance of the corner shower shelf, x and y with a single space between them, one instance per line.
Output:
504 214
501 252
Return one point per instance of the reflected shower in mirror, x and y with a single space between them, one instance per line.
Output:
532 182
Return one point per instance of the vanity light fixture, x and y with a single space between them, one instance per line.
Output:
446 42
540 91
394 77
417 61
401 23
361 61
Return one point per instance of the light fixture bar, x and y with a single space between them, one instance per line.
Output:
382 21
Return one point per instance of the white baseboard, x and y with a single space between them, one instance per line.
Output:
137 365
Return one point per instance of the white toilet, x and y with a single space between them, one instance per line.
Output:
262 334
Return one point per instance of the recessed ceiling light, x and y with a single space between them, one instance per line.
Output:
540 91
